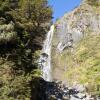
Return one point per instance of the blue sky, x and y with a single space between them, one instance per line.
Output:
62 6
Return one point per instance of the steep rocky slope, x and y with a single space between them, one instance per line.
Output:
76 46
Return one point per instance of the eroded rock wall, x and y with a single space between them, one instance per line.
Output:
81 24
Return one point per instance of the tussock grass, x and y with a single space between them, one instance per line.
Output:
87 63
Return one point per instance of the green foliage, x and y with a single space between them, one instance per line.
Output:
31 14
22 27
94 2
7 33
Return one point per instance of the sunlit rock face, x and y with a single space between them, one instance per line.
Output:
76 23
70 30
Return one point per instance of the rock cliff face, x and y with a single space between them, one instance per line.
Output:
76 45
77 22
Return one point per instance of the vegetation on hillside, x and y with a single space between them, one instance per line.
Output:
85 63
80 64
93 2
23 24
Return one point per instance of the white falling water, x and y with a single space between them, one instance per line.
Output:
45 59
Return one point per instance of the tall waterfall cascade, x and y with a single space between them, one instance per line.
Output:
45 58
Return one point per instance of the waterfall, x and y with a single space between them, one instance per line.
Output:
45 58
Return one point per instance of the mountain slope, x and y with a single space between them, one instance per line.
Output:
76 46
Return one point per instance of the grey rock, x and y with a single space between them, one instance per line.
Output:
65 98
79 87
73 98
80 95
76 23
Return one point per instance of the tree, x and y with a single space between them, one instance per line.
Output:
21 24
